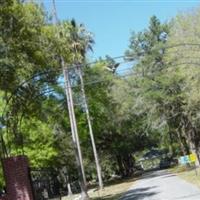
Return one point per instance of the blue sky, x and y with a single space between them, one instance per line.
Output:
111 22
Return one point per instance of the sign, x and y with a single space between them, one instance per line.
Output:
193 157
187 159
183 160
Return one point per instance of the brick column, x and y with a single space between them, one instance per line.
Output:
4 198
18 184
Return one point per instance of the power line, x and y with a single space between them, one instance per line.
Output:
94 62
100 60
129 74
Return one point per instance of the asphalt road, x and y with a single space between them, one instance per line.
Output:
161 185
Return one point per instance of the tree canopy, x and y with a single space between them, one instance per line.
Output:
155 105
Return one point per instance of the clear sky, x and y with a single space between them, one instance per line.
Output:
112 21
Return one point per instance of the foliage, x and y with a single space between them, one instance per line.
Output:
155 105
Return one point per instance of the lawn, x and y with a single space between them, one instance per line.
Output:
112 191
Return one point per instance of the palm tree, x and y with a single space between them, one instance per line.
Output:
75 138
82 42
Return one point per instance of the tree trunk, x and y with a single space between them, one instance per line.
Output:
192 138
182 143
128 164
69 189
120 165
68 183
171 149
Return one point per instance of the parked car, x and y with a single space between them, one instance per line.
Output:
168 162
165 163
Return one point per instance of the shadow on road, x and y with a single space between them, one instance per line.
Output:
168 176
156 173
142 193
138 194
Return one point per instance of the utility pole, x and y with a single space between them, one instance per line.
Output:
75 137
98 167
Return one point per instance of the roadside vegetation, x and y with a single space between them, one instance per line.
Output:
188 173
155 104
113 190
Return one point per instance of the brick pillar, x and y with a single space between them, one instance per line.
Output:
18 184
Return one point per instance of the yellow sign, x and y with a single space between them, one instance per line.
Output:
192 157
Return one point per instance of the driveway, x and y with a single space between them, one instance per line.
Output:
161 185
